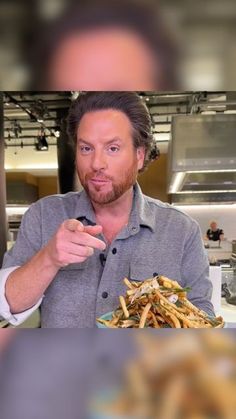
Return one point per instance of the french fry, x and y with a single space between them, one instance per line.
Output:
131 291
167 319
144 315
193 308
114 321
123 305
128 284
172 284
154 319
173 318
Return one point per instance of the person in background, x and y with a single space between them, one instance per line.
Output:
74 250
214 233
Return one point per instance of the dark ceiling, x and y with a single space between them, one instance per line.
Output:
28 115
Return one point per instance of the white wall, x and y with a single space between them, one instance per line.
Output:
28 158
224 215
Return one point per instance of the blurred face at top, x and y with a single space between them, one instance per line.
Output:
103 59
106 159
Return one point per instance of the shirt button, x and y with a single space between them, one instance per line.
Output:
104 294
134 229
114 250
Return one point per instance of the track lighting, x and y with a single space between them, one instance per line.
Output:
41 143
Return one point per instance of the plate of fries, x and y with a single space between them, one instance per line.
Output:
157 303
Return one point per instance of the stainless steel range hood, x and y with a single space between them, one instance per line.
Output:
202 158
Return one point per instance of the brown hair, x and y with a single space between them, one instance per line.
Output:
130 104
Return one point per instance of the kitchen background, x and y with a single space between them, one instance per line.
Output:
196 171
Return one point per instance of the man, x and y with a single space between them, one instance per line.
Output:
73 250
214 233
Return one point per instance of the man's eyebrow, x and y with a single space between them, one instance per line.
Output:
115 139
80 140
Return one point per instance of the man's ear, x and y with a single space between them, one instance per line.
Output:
140 156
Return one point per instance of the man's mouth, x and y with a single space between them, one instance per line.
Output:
99 181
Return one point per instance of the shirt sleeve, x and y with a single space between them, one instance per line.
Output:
195 271
29 239
5 313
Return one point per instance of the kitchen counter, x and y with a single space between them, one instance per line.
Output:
216 252
221 307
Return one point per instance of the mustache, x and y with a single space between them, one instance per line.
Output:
97 175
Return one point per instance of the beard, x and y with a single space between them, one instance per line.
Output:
118 188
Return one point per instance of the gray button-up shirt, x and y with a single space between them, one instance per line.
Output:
158 239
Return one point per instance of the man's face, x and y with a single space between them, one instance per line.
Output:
107 162
103 59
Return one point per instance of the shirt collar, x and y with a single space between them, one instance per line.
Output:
84 209
141 214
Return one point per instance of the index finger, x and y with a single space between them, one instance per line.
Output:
85 239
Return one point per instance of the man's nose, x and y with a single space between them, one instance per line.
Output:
99 161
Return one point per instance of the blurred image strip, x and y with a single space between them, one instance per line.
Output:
117 45
84 374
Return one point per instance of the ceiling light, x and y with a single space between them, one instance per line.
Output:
208 112
57 132
41 143
16 128
74 95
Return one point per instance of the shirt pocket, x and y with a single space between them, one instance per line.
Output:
74 266
66 292
140 271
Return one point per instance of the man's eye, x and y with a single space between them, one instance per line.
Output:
85 149
113 149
